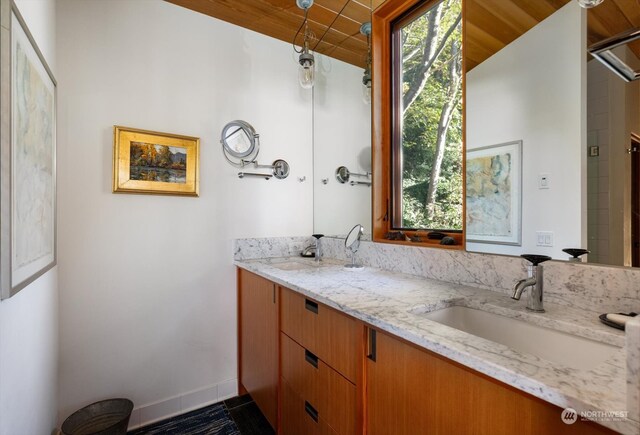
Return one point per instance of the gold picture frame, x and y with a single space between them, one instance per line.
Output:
155 163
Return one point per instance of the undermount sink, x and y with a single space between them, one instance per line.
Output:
551 345
294 265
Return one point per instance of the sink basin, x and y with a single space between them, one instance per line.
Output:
293 265
555 346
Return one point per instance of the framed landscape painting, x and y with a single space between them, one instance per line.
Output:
28 156
494 194
151 162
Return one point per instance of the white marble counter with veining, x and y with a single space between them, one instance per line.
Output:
393 302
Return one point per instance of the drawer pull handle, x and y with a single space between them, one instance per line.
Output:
311 411
311 306
371 354
311 358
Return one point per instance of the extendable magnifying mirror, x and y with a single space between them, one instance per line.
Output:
343 175
241 145
240 142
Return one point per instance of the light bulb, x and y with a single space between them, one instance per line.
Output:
366 94
306 71
366 86
587 4
306 76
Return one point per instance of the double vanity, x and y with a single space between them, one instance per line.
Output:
325 349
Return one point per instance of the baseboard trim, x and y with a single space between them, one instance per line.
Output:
157 411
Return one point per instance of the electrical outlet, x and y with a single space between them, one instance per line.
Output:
544 238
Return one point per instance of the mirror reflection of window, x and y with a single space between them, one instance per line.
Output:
239 141
427 118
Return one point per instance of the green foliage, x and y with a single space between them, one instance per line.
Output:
154 156
420 127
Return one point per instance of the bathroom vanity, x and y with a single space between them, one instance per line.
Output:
327 350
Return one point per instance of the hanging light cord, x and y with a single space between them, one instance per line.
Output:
304 22
331 25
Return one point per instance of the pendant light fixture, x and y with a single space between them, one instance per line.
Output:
365 29
306 70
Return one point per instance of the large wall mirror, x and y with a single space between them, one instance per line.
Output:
538 109
342 130
552 134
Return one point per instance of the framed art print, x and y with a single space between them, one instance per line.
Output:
157 163
28 157
494 194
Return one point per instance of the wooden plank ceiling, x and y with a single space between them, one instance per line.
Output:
493 24
490 24
340 19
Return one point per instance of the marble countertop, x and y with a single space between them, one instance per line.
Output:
394 302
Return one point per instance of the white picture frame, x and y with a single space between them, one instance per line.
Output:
27 157
494 194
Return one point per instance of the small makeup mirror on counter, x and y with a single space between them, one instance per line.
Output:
241 146
352 244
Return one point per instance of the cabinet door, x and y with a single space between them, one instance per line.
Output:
258 346
412 391
397 392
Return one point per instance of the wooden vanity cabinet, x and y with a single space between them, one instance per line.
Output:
414 391
258 342
313 370
321 368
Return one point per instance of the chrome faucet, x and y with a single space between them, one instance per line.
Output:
318 246
534 280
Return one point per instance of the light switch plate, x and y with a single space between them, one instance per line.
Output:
544 181
544 238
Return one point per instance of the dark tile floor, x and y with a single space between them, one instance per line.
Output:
215 419
247 416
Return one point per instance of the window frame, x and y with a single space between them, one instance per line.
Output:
386 125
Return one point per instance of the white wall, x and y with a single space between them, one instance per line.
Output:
532 90
147 285
29 320
342 137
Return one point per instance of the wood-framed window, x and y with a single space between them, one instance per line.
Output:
417 122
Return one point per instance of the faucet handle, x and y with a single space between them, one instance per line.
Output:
317 236
535 259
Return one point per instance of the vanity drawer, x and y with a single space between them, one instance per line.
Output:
331 394
299 417
330 335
